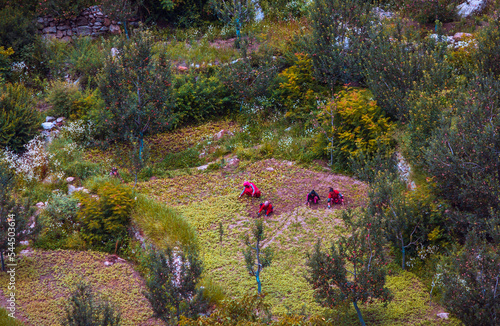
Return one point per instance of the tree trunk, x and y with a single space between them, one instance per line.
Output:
359 313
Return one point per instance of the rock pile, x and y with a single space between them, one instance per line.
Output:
90 22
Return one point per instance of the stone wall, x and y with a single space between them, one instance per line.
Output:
91 22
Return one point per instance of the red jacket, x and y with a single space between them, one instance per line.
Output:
333 194
251 191
269 208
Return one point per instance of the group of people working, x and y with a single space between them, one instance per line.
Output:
249 189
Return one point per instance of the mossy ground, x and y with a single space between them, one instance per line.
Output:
45 280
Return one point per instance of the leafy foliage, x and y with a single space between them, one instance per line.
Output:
340 28
85 308
352 270
354 124
136 89
172 291
488 48
19 121
463 154
201 97
398 62
429 11
104 221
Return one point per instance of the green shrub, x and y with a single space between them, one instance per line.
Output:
5 63
186 159
105 220
340 28
85 58
17 30
199 97
62 97
355 124
58 223
399 62
284 9
63 9
488 48
426 12
19 120
85 308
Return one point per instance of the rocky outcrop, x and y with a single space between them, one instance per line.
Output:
90 22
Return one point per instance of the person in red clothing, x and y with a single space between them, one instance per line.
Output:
250 190
335 197
266 207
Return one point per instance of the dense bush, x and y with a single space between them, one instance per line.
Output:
63 9
284 9
488 48
105 220
17 30
85 58
399 62
59 225
172 299
199 97
340 31
425 11
298 90
463 153
354 124
85 308
19 120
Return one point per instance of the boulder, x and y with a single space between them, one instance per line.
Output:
48 125
71 189
203 167
223 133
82 21
50 29
49 119
70 179
115 29
461 36
40 204
60 34
443 315
60 119
107 22
84 30
470 7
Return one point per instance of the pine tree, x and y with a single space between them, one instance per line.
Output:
171 285
352 270
85 309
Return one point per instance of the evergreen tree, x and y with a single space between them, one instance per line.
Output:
340 31
136 88
85 309
171 285
352 270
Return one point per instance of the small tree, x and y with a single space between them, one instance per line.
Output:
235 12
352 270
255 252
171 285
136 89
85 309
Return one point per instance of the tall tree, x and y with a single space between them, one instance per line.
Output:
136 88
352 270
